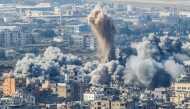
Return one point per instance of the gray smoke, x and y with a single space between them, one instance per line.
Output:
158 62
125 53
52 65
103 27
102 74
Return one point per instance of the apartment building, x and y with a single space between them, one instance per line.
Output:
85 42
11 85
79 41
109 103
96 95
72 91
10 38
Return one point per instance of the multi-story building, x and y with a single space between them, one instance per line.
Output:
161 93
93 96
72 91
104 103
85 42
33 89
75 76
79 41
11 85
108 91
91 43
15 38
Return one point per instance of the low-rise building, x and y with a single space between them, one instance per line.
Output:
161 93
93 96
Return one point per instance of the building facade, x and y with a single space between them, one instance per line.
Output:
11 85
15 38
93 96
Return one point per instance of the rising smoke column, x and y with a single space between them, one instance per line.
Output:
103 26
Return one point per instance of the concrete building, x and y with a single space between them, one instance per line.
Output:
11 85
129 8
79 41
58 39
33 89
161 93
109 103
93 96
21 98
75 76
87 42
109 91
71 90
10 38
181 86
99 104
91 43
57 10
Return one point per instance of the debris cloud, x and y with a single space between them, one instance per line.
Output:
104 28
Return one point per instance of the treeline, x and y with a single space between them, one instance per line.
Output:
182 28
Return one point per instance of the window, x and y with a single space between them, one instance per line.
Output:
99 103
122 104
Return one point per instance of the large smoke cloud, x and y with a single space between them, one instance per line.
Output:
156 61
103 26
53 64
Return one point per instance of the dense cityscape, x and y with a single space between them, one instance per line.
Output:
87 54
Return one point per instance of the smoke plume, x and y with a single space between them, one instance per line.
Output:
103 27
52 65
154 63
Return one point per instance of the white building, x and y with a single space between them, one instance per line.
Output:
93 96
185 13
57 10
75 76
129 8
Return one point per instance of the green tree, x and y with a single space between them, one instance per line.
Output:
125 30
47 33
152 27
2 54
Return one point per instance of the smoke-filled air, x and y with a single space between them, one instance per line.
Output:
104 28
156 61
